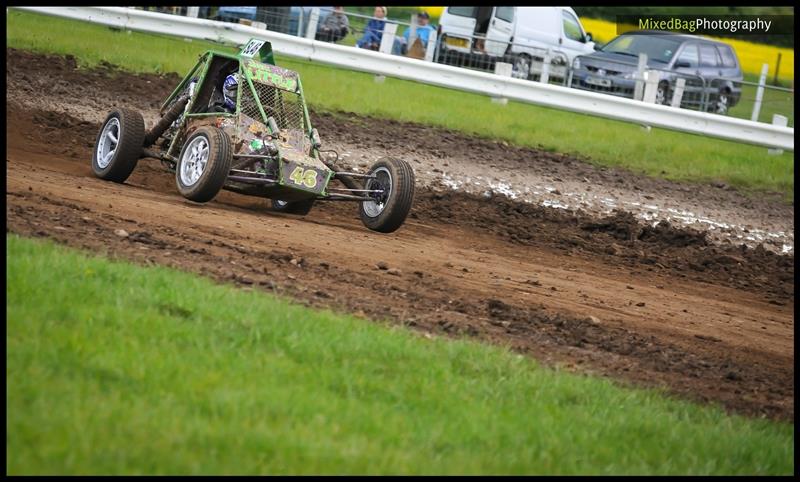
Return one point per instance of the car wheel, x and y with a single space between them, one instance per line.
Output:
394 182
118 146
292 207
445 57
663 94
204 163
722 103
522 67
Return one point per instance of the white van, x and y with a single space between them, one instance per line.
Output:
525 33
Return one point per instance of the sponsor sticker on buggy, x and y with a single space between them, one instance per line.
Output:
271 75
303 177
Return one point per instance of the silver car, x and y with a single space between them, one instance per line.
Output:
710 69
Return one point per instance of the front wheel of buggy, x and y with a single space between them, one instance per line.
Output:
292 207
394 193
118 145
204 163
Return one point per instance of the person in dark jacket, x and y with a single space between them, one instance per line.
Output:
335 26
374 31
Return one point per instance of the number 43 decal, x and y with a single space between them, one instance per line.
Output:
304 177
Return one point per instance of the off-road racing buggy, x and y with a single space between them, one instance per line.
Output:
261 145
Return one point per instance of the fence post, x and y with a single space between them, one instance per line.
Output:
638 90
545 77
760 93
504 69
650 86
567 68
570 70
387 40
778 120
412 35
300 22
431 47
195 11
678 94
313 20
777 68
437 54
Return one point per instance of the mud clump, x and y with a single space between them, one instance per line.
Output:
619 238
621 225
624 226
664 232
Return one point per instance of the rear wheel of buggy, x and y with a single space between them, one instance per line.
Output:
118 146
292 207
204 163
394 181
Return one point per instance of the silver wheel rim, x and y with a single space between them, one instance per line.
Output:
722 104
107 145
373 209
194 160
280 204
521 68
661 96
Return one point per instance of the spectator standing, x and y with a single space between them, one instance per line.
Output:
374 31
424 30
335 26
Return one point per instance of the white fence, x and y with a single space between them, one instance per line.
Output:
489 84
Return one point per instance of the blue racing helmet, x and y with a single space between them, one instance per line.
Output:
230 90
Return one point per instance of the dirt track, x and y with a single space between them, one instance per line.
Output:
654 306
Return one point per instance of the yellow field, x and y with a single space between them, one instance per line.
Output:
751 55
434 12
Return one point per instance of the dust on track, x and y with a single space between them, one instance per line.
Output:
658 307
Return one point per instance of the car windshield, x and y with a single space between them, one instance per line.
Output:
659 49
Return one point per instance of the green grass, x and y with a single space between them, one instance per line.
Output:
772 102
660 153
118 369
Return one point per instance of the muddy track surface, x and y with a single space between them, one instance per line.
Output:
656 306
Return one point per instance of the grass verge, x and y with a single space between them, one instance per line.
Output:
659 153
118 369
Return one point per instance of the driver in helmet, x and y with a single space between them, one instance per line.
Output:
230 90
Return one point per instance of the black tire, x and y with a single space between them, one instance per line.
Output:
446 57
128 125
292 207
666 98
722 104
522 67
214 173
165 122
397 203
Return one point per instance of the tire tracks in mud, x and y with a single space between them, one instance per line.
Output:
422 301
652 306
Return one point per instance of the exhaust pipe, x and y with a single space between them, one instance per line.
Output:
169 117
